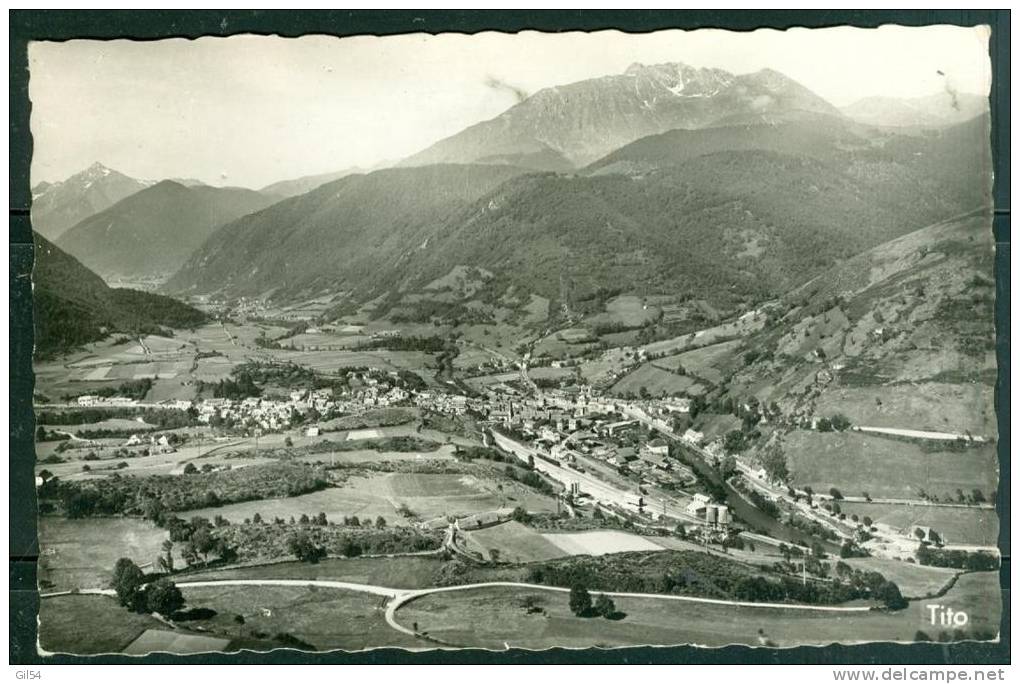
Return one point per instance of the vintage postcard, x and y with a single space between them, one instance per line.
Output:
515 340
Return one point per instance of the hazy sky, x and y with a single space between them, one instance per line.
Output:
251 110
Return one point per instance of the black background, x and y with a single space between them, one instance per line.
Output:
30 25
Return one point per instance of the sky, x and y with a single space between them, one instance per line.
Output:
252 110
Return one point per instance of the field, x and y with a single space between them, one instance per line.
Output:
914 581
402 572
885 468
443 453
957 525
656 381
88 625
325 618
330 361
600 542
628 310
427 495
495 617
519 543
515 542
744 325
154 464
938 407
81 553
702 363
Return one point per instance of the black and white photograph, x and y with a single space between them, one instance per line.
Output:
515 340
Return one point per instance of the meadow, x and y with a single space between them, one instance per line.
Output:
957 525
854 463
496 617
325 618
428 495
656 381
400 572
82 553
89 625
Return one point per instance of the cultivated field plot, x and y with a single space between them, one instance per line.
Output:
515 542
212 368
600 542
956 525
938 407
628 310
329 361
154 464
656 381
108 424
914 581
370 433
371 419
703 363
494 617
325 341
82 553
89 625
399 572
428 495
165 389
481 382
324 618
550 373
854 463
564 343
738 328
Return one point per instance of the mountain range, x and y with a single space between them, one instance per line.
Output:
664 179
573 125
153 231
737 214
57 207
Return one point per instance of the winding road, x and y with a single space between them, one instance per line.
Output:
401 597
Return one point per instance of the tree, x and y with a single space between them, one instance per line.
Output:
890 596
164 597
304 550
128 580
203 541
835 494
840 422
256 519
580 600
288 442
166 561
604 606
774 462
380 522
190 469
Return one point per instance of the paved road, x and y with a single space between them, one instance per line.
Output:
400 597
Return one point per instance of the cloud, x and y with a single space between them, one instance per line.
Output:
499 84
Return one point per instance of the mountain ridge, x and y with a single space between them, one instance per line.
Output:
576 123
154 230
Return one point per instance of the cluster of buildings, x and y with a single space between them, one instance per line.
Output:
91 400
